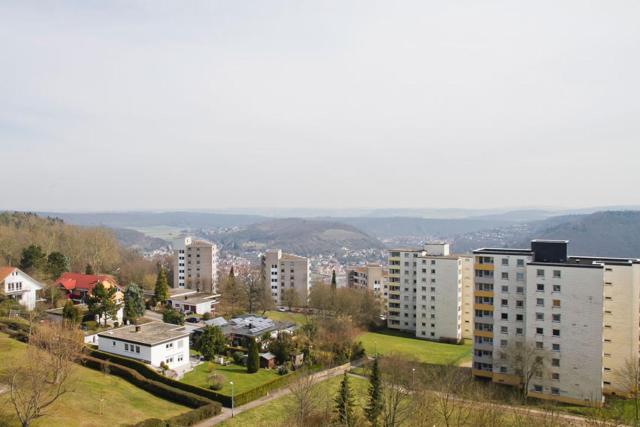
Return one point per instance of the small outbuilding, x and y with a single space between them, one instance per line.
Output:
267 360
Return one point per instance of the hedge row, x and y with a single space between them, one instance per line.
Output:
146 371
239 399
156 388
203 407
187 419
16 328
262 390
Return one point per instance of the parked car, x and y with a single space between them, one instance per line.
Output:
192 320
283 309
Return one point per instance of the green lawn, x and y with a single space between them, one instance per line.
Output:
275 412
287 316
414 348
122 401
242 380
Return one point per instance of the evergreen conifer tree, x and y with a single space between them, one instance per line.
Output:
374 407
345 403
253 359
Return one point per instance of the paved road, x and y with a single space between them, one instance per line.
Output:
226 412
152 315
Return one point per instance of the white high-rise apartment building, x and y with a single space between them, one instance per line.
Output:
430 293
195 265
283 272
580 313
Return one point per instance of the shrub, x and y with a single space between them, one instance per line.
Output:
170 315
151 422
357 351
238 356
206 316
216 381
91 325
283 370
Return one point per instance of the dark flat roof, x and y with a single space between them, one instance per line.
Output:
565 264
603 260
503 251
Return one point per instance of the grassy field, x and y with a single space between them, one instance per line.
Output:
275 412
122 401
421 350
165 232
287 316
242 380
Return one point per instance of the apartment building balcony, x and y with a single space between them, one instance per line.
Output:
485 267
483 293
486 360
487 346
483 319
484 334
486 372
488 307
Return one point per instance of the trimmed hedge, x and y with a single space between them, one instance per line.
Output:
15 327
239 399
147 372
187 419
203 407
156 388
262 390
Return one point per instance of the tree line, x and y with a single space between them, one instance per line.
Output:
46 247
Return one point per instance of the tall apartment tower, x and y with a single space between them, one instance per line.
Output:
581 313
283 272
370 276
429 293
195 265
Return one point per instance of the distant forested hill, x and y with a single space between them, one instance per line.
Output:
300 236
608 233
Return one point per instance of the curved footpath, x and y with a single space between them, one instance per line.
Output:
317 377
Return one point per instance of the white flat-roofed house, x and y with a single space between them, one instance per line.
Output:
18 285
152 343
186 300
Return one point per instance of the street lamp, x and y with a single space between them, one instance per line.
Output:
231 382
413 378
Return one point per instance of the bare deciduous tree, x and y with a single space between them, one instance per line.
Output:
397 400
44 373
305 399
629 379
526 361
451 384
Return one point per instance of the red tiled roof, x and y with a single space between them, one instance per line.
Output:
72 281
5 271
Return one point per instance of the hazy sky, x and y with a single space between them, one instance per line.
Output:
214 104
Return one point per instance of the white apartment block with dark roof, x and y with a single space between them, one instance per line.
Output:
195 265
283 272
429 293
581 312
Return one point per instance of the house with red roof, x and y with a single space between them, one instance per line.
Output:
18 285
78 287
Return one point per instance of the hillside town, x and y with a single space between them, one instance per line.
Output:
532 329
333 213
